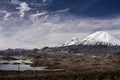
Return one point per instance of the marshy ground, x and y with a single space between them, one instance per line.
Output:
72 67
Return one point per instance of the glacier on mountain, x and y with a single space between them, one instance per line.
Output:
73 41
97 38
101 38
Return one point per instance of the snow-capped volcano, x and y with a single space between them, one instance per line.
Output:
97 38
73 41
100 38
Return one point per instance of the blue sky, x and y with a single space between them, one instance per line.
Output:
88 8
39 23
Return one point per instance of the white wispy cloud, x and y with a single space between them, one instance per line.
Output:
44 0
15 1
36 16
23 7
51 30
6 14
63 10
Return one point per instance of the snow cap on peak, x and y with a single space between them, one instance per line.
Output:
73 41
100 37
97 38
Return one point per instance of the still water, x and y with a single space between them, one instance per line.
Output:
22 66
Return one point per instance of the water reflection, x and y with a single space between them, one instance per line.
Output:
22 67
16 61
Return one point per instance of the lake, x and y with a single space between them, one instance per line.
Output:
23 65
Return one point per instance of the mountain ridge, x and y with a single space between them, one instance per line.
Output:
101 38
96 38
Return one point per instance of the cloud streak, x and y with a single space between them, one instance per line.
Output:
45 29
23 7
